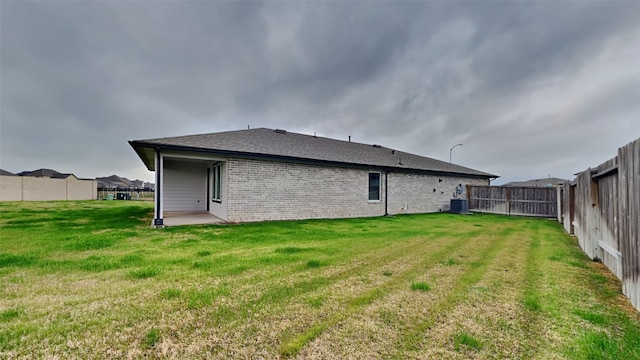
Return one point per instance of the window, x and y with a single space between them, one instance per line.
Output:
215 184
374 186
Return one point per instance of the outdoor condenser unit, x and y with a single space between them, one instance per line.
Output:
459 206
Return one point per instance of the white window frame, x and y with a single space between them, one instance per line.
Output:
379 186
216 182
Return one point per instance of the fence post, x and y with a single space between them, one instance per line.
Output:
559 201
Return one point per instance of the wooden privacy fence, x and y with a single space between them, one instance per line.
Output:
524 201
602 208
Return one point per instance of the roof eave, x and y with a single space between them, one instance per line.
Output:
142 149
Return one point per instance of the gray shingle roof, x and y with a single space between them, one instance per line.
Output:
546 182
293 146
45 173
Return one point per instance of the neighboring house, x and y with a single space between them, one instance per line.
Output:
45 173
46 184
264 174
546 182
115 182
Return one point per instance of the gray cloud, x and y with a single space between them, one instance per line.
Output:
531 89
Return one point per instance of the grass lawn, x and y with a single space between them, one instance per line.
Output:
92 280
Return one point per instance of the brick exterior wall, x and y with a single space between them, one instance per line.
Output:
267 190
414 193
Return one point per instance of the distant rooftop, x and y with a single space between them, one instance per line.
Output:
45 173
546 182
115 181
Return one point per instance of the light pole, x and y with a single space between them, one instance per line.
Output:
451 150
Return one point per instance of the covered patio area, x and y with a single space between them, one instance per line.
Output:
177 218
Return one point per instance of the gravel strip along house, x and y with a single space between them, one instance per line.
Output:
265 174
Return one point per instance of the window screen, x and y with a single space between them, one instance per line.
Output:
215 184
374 186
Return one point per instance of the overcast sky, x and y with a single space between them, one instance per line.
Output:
532 89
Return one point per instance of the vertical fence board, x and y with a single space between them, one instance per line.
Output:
609 230
560 208
586 216
629 218
567 206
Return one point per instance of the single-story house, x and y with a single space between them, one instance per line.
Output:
265 174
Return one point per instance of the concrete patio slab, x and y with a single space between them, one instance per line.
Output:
177 218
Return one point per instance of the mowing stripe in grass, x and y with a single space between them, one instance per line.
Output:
278 294
293 345
470 277
547 298
531 297
21 260
607 331
487 311
534 275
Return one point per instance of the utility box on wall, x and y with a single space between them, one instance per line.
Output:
459 206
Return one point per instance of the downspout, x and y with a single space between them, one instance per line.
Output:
158 221
386 192
208 189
